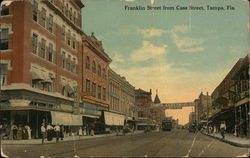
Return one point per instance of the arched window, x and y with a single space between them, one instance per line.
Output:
99 71
87 62
93 67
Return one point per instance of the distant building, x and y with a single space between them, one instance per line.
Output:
143 101
191 117
157 100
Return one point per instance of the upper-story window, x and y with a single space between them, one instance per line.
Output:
50 53
99 92
5 10
94 89
74 17
74 41
3 74
99 71
34 43
87 62
50 27
68 37
70 14
4 39
43 18
68 63
43 48
35 10
103 73
93 67
104 94
63 33
87 85
67 9
73 65
63 56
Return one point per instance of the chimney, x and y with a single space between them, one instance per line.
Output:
150 91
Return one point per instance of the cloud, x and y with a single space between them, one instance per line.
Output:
147 33
118 58
148 51
185 43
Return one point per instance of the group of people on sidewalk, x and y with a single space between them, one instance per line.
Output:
49 132
15 132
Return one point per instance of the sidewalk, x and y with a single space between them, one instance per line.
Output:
66 139
231 139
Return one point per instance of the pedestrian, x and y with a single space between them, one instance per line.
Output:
27 127
223 129
49 130
43 132
57 130
19 132
61 132
80 132
14 130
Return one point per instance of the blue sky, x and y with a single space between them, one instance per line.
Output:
180 53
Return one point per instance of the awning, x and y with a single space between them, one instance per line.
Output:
113 119
92 116
37 76
66 118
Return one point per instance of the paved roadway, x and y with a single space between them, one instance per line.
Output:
177 143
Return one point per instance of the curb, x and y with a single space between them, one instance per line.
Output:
229 142
71 140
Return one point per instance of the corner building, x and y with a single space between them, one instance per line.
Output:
41 63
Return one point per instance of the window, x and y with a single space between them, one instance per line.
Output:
34 43
87 85
87 62
35 10
63 56
50 27
73 66
104 94
99 92
68 62
74 18
5 10
50 56
68 37
63 33
3 74
94 89
70 14
63 91
93 67
67 9
74 42
103 73
99 71
4 42
43 17
43 48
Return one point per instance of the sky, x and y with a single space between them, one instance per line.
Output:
178 52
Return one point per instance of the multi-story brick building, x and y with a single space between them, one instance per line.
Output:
122 99
43 65
95 80
143 101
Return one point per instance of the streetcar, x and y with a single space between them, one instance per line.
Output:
167 125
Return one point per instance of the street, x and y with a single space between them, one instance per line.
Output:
177 143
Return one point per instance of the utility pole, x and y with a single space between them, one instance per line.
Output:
207 114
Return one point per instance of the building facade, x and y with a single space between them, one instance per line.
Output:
46 74
143 101
231 100
121 94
